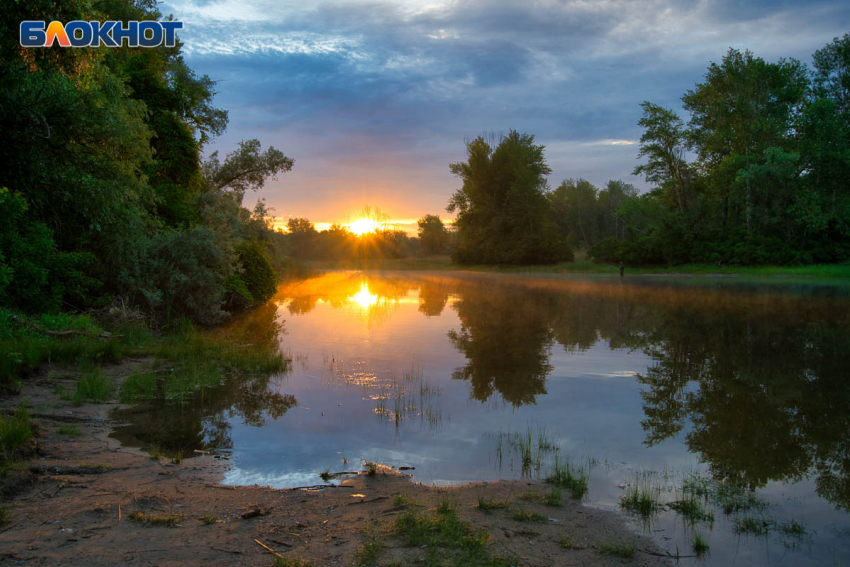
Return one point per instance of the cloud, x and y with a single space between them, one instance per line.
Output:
375 98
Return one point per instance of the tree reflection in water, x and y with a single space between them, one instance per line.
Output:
204 420
761 377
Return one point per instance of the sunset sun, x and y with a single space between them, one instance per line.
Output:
363 226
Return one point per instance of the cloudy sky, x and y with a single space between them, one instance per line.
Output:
374 99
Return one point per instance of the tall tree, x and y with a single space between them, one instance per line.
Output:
502 213
432 234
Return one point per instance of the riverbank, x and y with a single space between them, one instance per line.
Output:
583 266
87 499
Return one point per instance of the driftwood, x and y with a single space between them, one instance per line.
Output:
318 487
269 549
67 333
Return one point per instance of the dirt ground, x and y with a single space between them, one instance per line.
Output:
78 503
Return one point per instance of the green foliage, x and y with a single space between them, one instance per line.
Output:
15 432
769 183
503 216
259 277
92 387
34 275
106 189
617 549
433 235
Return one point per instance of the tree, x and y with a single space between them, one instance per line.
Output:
832 74
664 143
574 208
432 234
744 107
503 216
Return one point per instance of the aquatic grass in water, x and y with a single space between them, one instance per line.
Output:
566 475
641 496
700 544
693 508
754 525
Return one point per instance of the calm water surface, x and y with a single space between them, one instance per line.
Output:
655 380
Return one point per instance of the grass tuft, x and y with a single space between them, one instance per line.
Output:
573 478
641 497
693 509
292 561
752 525
568 542
487 504
700 544
69 430
617 549
92 387
169 520
526 516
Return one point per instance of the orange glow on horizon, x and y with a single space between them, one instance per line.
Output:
363 225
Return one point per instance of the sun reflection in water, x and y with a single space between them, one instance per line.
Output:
364 298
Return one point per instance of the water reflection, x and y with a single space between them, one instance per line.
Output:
206 419
756 377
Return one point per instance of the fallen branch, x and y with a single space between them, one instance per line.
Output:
318 487
270 550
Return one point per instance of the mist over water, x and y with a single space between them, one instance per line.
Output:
737 382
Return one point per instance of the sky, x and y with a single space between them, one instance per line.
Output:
374 99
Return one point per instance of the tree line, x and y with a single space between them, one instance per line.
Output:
757 175
104 195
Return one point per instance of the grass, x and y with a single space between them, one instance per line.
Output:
700 544
367 554
641 497
370 468
155 452
177 458
573 478
5 515
553 497
64 395
292 561
694 509
402 499
733 499
617 549
586 266
527 516
169 520
754 525
447 504
487 504
444 537
16 430
92 387
568 542
793 528
69 430
208 519
195 359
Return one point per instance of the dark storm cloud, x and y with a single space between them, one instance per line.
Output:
343 82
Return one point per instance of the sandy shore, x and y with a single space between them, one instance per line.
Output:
89 501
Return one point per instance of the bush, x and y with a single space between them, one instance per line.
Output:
34 275
258 276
